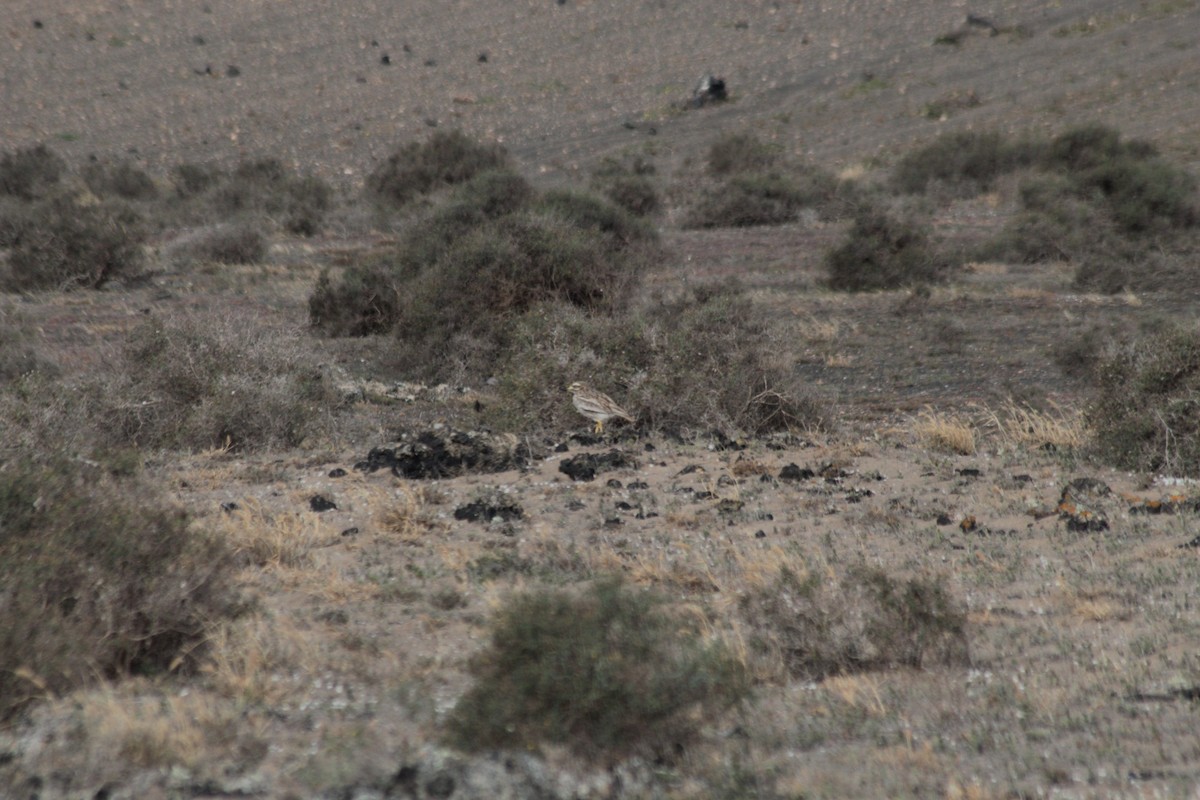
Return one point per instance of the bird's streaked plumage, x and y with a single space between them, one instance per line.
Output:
596 405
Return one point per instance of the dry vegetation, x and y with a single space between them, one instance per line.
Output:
908 508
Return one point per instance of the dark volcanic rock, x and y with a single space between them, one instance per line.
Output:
585 466
482 511
448 454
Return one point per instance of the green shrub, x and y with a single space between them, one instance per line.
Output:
966 161
736 153
608 672
417 168
65 244
102 579
1146 415
882 251
120 179
27 173
817 625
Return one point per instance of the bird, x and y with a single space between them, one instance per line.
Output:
596 405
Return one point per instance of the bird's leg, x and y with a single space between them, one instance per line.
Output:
599 427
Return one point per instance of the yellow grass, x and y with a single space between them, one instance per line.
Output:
946 432
1060 428
271 540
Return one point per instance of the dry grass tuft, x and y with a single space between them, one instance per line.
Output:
1059 428
946 432
263 539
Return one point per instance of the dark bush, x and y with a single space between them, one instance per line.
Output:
882 251
967 161
609 672
629 184
101 580
1146 415
750 199
817 625
365 301
194 179
65 245
590 212
29 172
1093 145
121 179
234 243
742 152
265 187
446 158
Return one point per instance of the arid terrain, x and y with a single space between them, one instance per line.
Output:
955 447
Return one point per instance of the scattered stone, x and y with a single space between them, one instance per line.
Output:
448 453
321 503
977 21
729 505
969 472
760 534
483 511
232 70
1194 543
385 59
350 532
690 469
943 519
229 507
584 466
1022 478
337 472
792 472
483 58
637 486
857 495
613 483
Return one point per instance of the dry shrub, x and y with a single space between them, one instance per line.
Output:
1058 428
1146 413
817 624
29 172
230 243
705 361
609 671
198 385
883 250
119 178
967 162
444 159
102 579
64 243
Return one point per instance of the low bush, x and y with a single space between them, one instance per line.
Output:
417 168
119 179
102 579
235 243
883 251
29 172
735 153
1146 414
815 625
629 184
64 244
706 361
298 203
189 385
966 162
608 672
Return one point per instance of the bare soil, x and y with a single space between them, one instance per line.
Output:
1084 673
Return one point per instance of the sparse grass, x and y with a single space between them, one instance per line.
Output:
815 624
965 162
104 579
119 179
236 243
263 539
608 672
